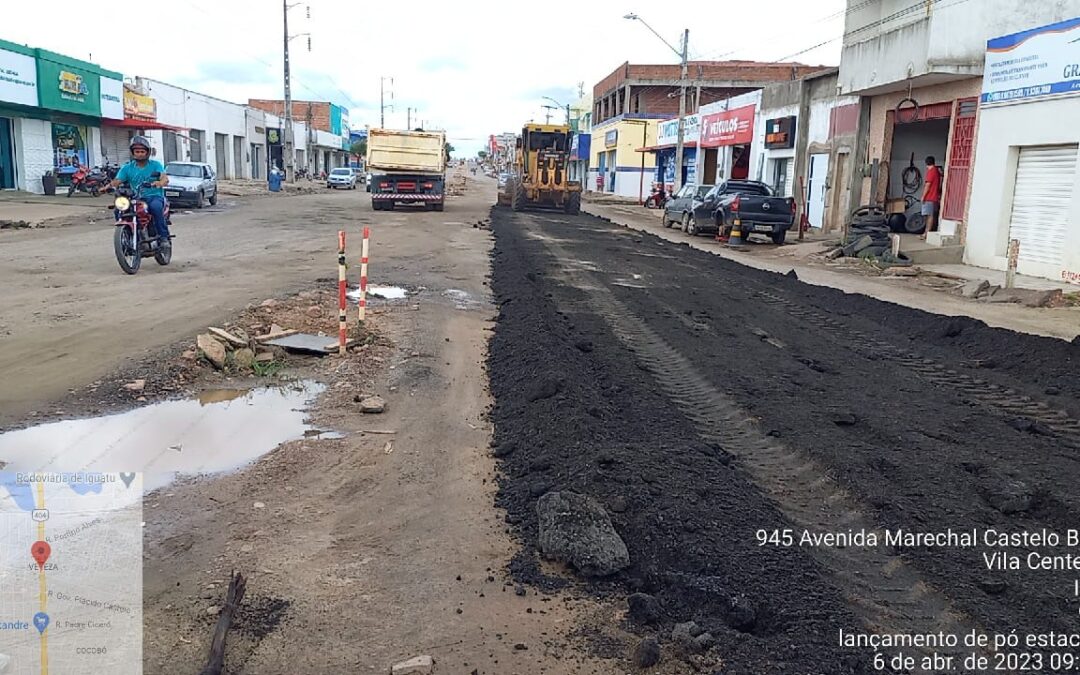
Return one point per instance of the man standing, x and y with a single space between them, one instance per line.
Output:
931 201
137 172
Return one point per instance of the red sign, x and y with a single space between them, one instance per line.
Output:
731 127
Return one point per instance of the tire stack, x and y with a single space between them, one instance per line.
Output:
869 236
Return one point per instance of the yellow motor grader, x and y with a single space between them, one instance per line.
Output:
538 175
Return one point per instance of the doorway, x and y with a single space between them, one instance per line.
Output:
256 161
816 186
7 156
220 143
740 162
238 157
708 175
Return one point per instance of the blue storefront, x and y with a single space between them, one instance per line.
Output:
579 157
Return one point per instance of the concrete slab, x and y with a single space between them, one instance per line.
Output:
306 342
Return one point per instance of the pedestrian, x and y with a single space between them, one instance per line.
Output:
931 200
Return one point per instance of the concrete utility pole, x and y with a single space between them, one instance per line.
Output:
382 99
682 54
290 174
682 113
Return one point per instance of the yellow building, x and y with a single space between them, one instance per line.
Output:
616 166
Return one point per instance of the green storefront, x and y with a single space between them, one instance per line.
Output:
50 114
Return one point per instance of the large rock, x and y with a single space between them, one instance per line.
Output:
575 529
212 349
647 653
243 358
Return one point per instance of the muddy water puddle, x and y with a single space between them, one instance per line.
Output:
221 430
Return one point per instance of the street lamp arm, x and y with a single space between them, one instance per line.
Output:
635 17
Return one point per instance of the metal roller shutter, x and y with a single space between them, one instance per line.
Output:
1044 182
114 144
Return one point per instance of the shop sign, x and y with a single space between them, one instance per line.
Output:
730 127
668 131
140 107
68 88
780 133
69 148
18 78
611 138
580 146
273 135
1038 62
112 98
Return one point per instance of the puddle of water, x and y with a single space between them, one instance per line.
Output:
219 431
462 300
384 292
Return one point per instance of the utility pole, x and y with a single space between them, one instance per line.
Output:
682 113
382 99
290 174
547 113
408 118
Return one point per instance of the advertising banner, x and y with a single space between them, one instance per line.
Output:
611 138
18 78
668 130
112 98
139 107
780 133
730 127
68 88
1038 62
69 148
580 147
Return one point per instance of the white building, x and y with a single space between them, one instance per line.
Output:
1026 185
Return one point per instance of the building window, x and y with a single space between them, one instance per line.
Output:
780 176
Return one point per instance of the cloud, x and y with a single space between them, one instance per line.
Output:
440 63
234 72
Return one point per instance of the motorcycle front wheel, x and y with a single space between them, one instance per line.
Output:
127 249
71 189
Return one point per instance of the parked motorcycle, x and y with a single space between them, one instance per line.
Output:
658 198
93 180
135 237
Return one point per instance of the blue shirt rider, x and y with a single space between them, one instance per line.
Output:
137 172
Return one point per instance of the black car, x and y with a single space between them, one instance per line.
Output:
750 202
679 208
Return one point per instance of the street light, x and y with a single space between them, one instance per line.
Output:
567 107
682 92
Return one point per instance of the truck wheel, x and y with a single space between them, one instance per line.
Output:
438 206
517 202
778 237
573 203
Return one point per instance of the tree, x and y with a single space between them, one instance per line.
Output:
359 148
449 149
482 154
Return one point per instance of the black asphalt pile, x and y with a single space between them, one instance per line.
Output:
925 423
574 411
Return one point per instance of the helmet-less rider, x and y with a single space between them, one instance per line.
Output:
137 173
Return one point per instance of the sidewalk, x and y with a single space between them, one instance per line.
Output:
928 291
25 209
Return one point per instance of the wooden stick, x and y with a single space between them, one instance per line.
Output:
215 665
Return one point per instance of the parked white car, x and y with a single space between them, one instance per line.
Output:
341 177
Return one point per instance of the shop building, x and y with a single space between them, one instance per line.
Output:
728 147
327 133
581 145
51 112
1026 186
665 150
918 70
651 93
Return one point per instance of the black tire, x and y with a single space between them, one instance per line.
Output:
691 226
199 199
778 237
213 200
71 190
376 206
438 206
163 255
573 204
122 245
915 224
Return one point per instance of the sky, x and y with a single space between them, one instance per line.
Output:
472 68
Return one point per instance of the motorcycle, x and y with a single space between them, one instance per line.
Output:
135 237
658 198
93 180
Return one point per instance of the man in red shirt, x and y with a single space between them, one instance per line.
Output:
931 201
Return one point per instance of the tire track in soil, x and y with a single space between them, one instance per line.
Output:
888 595
573 411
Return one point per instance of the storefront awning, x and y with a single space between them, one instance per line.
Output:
131 123
658 148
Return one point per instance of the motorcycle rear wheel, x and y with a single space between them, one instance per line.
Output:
127 251
164 254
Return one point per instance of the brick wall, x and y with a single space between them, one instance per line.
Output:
320 111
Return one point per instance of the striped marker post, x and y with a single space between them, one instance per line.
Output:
342 325
363 275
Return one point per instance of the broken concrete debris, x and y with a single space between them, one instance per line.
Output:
418 665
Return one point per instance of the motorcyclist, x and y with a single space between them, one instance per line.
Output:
137 172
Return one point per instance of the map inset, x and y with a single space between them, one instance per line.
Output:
70 573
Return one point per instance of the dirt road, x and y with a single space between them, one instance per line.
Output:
365 550
703 402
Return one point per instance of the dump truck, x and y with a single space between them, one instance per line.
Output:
407 167
539 174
